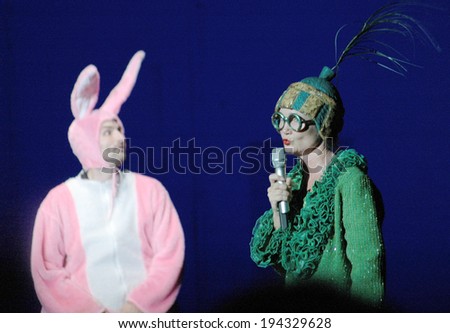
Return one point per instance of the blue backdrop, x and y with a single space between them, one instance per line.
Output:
213 72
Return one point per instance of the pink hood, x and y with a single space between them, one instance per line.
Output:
84 132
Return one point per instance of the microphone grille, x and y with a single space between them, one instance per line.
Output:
278 157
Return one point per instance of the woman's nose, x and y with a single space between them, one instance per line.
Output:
286 129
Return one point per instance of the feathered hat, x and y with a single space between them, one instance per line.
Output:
84 132
319 98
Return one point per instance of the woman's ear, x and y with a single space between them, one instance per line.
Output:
85 92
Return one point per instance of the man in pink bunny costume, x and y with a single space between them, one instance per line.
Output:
105 240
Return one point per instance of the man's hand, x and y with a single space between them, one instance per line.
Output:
130 308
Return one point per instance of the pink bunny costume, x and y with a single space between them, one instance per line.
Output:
98 245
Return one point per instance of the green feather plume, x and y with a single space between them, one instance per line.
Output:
366 44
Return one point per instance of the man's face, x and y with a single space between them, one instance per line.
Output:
112 142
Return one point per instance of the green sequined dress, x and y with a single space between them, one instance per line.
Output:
334 233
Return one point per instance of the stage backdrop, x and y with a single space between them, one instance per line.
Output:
199 121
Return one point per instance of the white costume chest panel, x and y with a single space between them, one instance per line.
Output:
110 238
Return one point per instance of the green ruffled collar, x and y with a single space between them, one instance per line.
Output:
312 225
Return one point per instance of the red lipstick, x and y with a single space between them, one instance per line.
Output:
286 142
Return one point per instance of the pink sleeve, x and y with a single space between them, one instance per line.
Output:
56 281
163 247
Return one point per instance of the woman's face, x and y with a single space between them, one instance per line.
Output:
299 143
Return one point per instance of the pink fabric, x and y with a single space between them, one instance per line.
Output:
84 131
58 261
58 264
164 258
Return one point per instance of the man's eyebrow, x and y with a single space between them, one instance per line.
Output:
111 126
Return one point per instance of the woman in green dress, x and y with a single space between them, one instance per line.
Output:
333 236
333 233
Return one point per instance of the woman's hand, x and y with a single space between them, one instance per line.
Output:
279 190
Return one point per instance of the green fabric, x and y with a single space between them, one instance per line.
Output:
347 252
323 84
300 100
327 73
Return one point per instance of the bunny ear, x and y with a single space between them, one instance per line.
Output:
123 89
85 92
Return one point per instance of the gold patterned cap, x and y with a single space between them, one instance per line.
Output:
318 98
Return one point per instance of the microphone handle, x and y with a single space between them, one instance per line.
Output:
283 206
283 220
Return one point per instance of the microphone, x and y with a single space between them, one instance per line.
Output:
279 163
